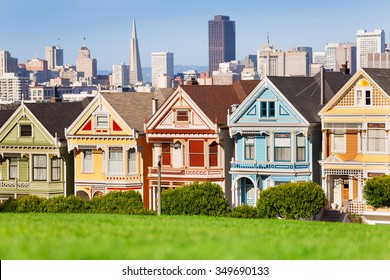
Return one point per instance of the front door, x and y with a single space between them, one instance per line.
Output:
345 188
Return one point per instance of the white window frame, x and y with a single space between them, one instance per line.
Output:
363 97
344 148
118 161
247 137
282 146
182 110
132 162
83 162
367 141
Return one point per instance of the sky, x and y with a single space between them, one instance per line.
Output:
180 27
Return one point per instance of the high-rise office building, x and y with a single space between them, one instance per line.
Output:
368 42
162 64
319 58
222 41
8 64
54 56
13 88
309 51
85 63
330 56
135 70
250 61
120 75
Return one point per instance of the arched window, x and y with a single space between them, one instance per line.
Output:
213 154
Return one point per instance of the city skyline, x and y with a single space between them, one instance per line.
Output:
107 28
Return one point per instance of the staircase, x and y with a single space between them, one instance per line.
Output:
332 216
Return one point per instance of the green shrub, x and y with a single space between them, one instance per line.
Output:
128 202
245 211
196 199
25 204
377 191
291 201
69 204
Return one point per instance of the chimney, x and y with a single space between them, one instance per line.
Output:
154 105
322 101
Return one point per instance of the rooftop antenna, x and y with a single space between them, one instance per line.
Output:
85 44
58 43
268 38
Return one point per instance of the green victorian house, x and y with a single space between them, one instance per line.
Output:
33 152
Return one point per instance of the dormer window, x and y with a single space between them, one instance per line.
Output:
363 93
182 116
25 130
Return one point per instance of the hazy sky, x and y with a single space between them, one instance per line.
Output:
180 27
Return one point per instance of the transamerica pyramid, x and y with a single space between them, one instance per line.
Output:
134 61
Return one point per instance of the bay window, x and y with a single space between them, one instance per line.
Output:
115 160
39 167
282 147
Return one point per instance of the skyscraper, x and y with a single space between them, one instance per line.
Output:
222 41
368 42
8 64
162 64
85 63
54 56
330 56
134 61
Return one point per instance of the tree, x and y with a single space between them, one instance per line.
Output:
376 192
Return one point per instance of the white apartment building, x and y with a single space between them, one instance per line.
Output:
120 75
368 42
319 58
330 56
162 63
13 88
8 64
272 62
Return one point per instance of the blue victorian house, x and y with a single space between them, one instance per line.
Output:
277 133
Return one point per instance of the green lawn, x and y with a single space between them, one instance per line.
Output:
104 237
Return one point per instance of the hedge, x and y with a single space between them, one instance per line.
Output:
245 211
291 201
195 199
127 202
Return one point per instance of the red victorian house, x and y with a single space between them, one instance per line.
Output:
189 134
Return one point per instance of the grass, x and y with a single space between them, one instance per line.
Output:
117 237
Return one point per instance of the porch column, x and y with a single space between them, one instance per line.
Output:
233 190
350 187
48 168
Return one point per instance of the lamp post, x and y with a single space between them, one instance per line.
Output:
176 146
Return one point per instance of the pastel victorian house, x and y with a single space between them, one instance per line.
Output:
109 144
277 133
33 150
356 145
189 135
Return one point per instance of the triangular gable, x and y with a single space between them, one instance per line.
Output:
10 132
345 97
250 110
86 123
166 117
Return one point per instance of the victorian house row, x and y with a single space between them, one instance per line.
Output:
331 129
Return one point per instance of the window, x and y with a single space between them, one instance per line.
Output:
101 121
115 160
213 154
368 97
376 140
363 92
249 149
267 109
301 151
39 168
87 161
282 147
25 130
132 160
13 167
359 98
182 115
166 154
55 169
339 140
196 153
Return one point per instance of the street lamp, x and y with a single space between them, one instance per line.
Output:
176 146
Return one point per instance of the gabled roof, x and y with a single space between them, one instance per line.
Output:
55 117
215 100
381 77
304 93
135 107
6 112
